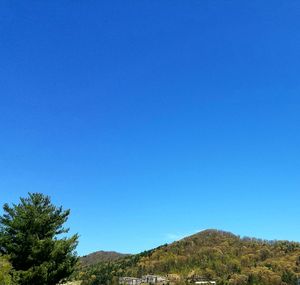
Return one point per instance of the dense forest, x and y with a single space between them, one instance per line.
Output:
212 254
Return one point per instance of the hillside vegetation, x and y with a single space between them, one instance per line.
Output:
213 254
101 256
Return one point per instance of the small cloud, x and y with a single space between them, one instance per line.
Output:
178 236
173 237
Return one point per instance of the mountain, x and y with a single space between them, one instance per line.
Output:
212 254
100 256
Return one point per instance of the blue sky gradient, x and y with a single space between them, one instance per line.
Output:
153 120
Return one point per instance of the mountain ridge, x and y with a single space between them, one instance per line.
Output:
215 255
101 256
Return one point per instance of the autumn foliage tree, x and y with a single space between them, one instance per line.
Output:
5 271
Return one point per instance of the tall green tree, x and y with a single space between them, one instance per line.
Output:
32 233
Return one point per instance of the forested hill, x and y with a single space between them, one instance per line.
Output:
213 254
101 256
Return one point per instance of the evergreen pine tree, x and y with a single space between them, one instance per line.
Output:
30 234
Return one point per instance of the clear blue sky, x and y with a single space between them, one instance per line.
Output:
153 119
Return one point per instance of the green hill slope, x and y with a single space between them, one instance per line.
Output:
213 254
101 256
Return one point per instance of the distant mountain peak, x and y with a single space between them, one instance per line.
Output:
101 256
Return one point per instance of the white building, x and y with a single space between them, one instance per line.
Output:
154 279
147 279
130 281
